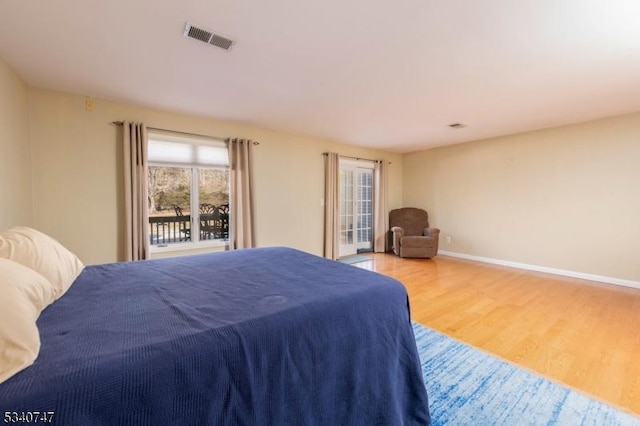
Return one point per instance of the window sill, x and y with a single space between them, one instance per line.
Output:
178 247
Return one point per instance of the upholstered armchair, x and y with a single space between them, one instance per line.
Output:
410 233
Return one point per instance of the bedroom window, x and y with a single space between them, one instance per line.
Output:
188 186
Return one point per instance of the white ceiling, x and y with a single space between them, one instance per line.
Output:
378 73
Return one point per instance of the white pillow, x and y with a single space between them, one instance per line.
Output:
24 293
43 254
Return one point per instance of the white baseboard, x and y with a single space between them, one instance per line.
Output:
572 274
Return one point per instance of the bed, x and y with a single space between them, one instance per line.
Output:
267 336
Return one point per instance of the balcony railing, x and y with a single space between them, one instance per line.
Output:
177 229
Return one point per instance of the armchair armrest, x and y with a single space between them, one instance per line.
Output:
435 234
431 232
398 233
398 230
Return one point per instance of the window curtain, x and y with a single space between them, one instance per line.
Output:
135 191
380 207
331 180
241 230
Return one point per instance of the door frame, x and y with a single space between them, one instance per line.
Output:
352 247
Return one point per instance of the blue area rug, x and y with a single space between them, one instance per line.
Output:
349 260
469 387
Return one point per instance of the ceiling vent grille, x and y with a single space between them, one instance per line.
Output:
191 31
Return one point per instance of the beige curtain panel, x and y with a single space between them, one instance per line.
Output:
135 191
331 180
380 226
241 228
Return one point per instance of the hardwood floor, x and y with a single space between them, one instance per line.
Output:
581 333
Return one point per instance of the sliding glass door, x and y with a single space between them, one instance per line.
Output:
356 207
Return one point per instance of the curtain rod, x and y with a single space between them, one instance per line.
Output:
120 123
356 158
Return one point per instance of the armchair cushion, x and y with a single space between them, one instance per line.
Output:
418 241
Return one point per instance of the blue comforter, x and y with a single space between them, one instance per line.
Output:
269 336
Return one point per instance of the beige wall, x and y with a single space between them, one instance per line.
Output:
565 198
15 154
77 174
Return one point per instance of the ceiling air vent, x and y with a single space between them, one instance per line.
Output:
457 125
191 31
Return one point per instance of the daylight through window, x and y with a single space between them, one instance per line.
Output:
188 186
355 195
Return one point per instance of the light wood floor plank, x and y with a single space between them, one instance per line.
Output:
581 333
